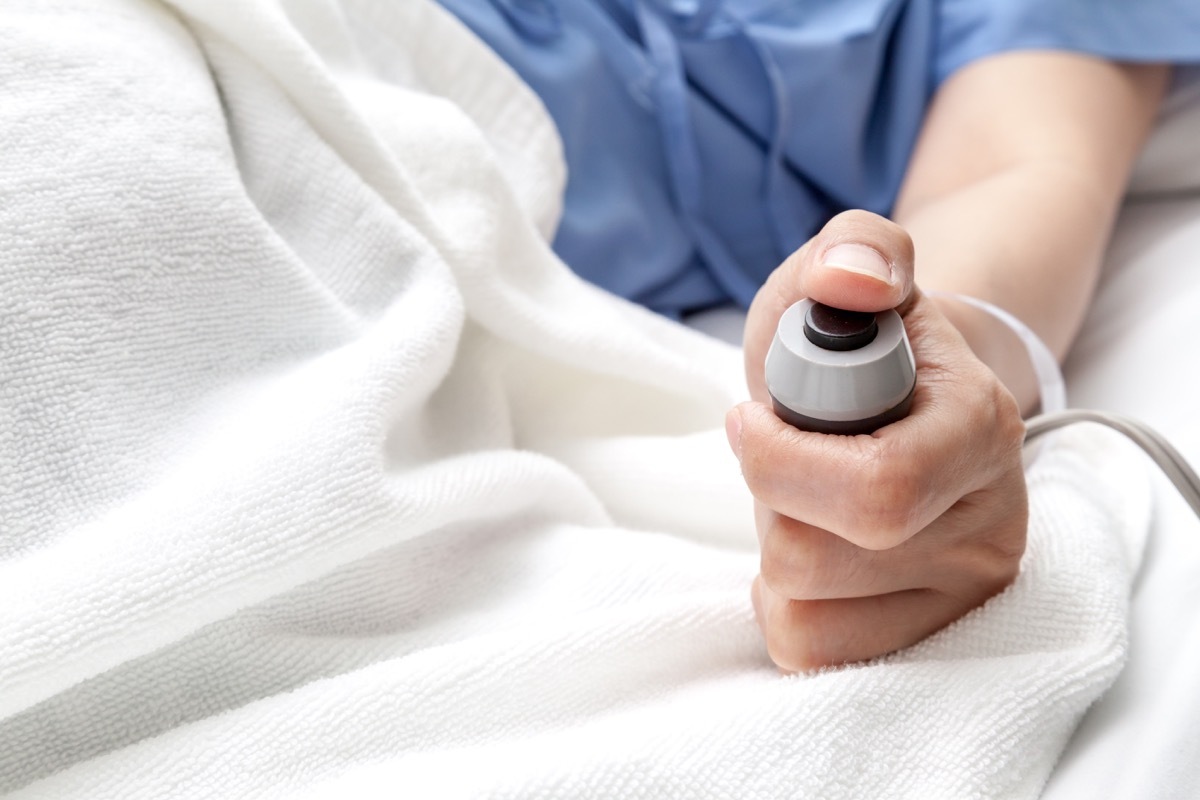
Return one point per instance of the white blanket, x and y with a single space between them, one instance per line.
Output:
322 477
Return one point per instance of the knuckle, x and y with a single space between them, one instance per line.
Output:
994 559
776 573
997 412
767 458
992 568
790 637
788 564
757 461
1010 426
782 653
889 496
1003 407
776 577
988 558
1004 545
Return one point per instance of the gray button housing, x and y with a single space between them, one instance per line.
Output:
841 387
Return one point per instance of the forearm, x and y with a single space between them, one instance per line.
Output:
1030 240
1018 211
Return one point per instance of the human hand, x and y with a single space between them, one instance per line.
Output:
870 543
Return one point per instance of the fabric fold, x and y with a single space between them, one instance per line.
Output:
323 475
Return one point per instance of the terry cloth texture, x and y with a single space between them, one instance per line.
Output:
322 477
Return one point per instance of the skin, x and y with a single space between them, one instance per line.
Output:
871 543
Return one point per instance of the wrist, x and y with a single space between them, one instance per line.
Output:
1020 360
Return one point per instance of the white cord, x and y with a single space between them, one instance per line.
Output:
1173 465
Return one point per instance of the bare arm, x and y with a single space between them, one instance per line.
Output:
1013 189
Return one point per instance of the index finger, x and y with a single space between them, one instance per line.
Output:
963 429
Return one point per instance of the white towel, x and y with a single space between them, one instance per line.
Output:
321 477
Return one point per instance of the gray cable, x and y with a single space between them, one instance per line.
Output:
1173 465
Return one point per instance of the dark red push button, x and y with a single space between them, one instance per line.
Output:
836 329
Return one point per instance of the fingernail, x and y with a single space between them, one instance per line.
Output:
860 259
733 431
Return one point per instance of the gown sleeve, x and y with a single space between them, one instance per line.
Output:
1120 30
707 139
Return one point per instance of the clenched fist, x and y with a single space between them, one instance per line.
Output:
870 543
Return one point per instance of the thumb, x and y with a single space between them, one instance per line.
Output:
859 261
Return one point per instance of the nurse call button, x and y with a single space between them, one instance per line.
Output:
836 329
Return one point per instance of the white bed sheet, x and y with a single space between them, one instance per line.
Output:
1137 355
298 522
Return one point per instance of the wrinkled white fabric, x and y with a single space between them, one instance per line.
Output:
322 477
1136 355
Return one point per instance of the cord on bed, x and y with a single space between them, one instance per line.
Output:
1151 441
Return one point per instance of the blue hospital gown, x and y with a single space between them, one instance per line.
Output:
708 139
